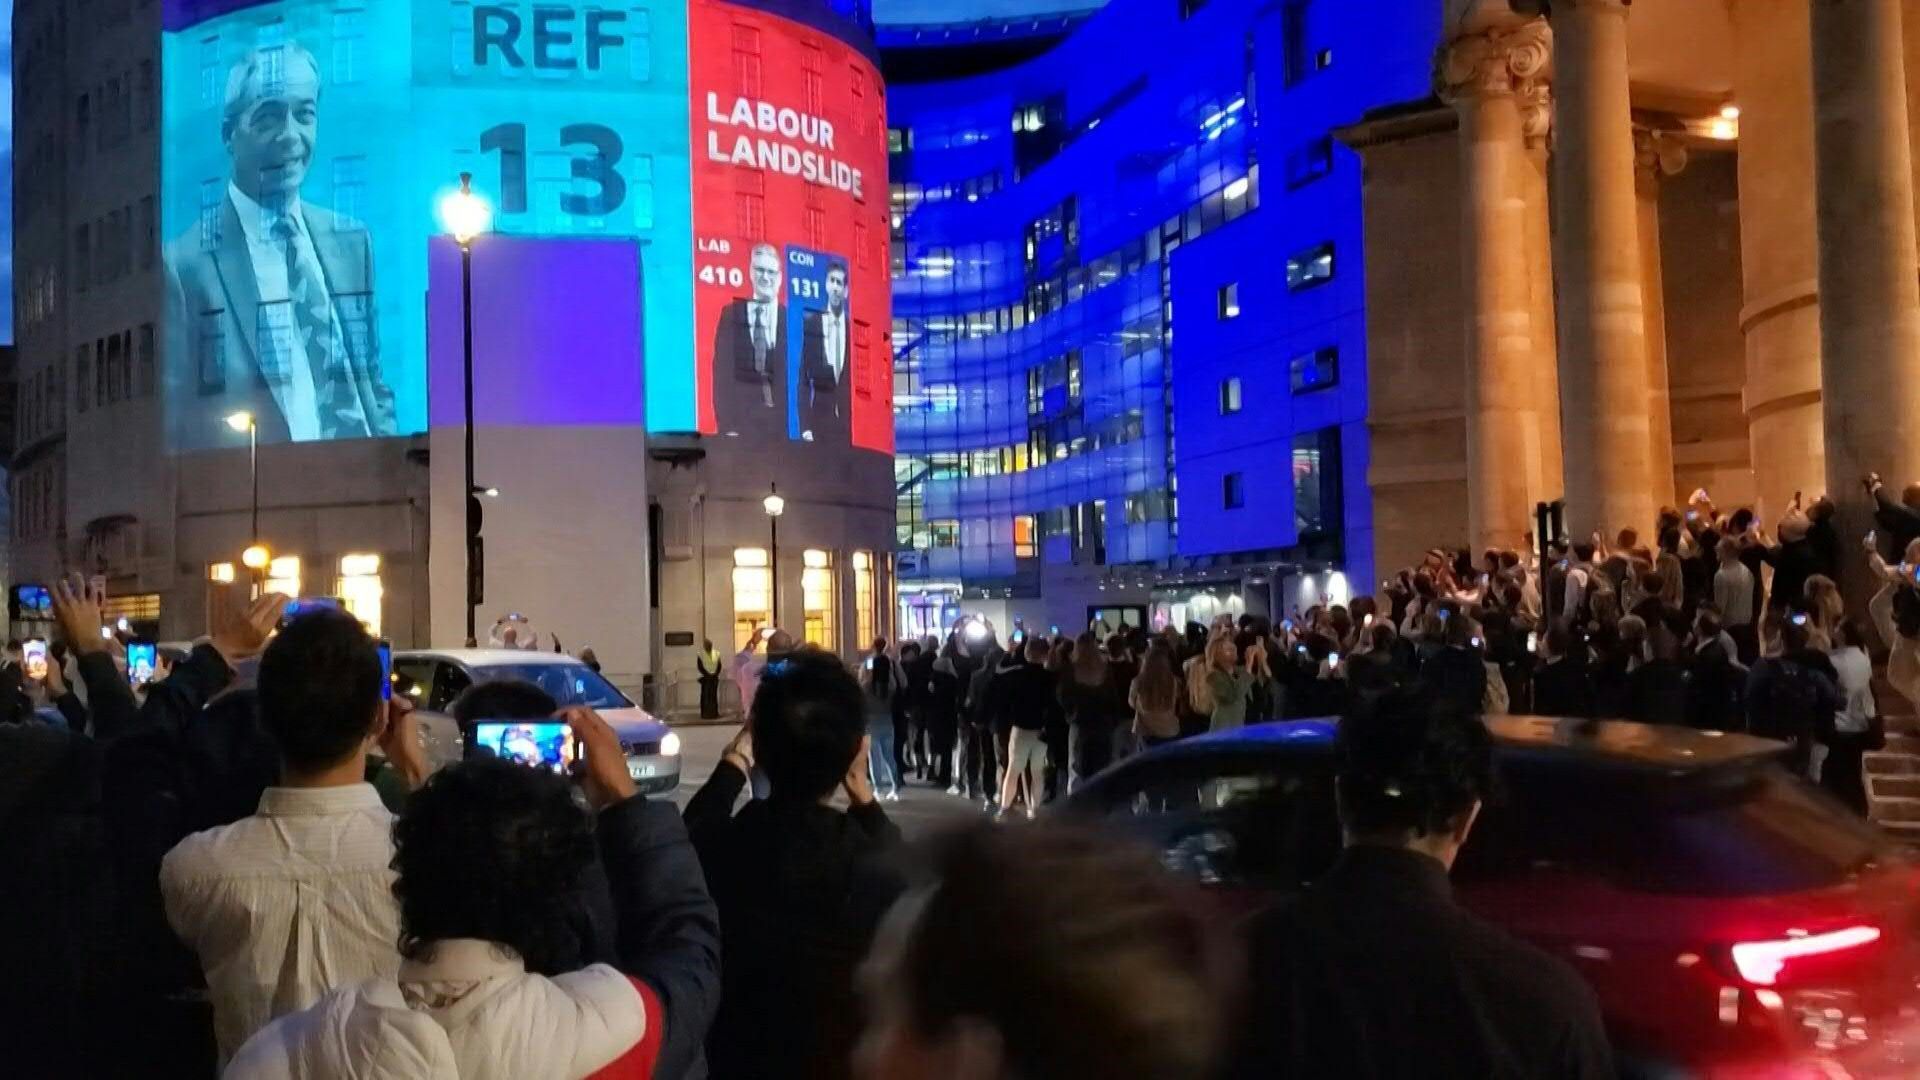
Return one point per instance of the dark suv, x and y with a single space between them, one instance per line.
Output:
1733 920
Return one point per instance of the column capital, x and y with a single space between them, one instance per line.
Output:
1657 153
1493 62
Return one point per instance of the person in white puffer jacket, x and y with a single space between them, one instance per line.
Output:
487 855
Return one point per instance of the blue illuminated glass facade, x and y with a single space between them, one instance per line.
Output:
1129 306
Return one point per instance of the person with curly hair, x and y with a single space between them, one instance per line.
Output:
1376 966
1043 951
487 856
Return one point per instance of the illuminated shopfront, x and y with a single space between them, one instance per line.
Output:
752 594
817 587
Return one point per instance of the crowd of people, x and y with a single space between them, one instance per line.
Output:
1721 624
249 865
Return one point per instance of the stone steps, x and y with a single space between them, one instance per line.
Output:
1893 773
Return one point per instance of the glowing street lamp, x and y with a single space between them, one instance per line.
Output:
247 422
467 215
774 506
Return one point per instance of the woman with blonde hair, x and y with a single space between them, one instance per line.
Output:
1154 697
1896 615
1825 608
1229 682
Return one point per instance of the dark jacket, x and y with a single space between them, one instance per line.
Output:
1021 697
800 888
1900 522
1793 563
1793 698
1563 687
1659 692
1089 706
1376 972
669 928
1457 675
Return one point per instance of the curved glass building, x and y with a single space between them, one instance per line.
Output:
1130 381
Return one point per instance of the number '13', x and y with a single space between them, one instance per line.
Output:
598 165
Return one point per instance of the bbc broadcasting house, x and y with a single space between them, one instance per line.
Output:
1186 307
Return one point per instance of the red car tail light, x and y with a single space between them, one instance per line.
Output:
1760 962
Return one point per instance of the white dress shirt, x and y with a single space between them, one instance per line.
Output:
296 395
836 343
287 904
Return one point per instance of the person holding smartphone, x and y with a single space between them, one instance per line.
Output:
488 857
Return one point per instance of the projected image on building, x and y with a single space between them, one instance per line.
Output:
308 142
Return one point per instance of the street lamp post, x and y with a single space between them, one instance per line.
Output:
774 506
467 216
245 421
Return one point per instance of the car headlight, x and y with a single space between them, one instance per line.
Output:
670 745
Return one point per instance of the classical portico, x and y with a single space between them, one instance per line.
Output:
1728 295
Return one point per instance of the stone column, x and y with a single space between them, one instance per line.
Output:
1536 116
1602 325
1656 154
1869 291
1780 317
1477 74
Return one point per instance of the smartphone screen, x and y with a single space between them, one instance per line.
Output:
539 744
386 671
33 656
142 658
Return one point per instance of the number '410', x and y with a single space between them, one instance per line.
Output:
596 163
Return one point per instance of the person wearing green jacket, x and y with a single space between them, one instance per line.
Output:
1229 682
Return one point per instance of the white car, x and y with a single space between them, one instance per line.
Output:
432 678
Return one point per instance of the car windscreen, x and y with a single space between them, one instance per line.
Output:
1747 829
568 684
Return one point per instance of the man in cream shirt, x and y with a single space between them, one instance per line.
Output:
285 905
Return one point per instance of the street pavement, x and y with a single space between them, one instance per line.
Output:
921 811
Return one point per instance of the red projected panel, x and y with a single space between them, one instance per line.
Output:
791 302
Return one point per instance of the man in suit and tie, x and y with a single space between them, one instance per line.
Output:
749 354
826 354
272 297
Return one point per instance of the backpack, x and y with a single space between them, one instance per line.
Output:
1801 704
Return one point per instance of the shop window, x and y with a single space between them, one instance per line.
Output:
1025 544
360 589
864 595
817 587
1314 266
1230 297
1233 491
1230 396
752 594
283 575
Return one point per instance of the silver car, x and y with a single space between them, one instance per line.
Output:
432 678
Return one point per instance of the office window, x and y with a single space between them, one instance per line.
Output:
640 44
82 257
752 594
1312 371
1233 491
144 362
865 616
1229 305
640 190
149 234
1316 481
1310 162
1314 266
283 575
359 586
818 584
350 186
220 573
82 378
899 140
1026 543
213 71
213 196
1301 58
349 44
1189 7
944 534
1230 396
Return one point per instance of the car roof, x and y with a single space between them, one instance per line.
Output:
1615 742
483 658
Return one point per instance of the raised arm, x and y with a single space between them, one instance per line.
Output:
668 926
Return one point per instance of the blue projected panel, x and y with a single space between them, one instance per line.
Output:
308 143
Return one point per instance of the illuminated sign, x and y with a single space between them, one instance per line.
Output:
307 143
